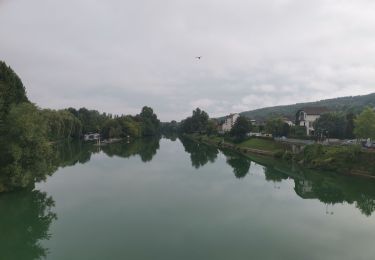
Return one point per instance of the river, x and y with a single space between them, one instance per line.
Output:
176 199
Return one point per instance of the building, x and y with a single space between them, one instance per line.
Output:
307 116
229 122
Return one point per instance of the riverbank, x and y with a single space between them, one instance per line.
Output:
348 160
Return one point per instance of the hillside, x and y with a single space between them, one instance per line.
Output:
353 104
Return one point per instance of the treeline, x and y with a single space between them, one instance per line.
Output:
200 122
27 131
65 123
338 125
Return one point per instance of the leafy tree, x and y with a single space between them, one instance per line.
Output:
149 121
277 127
169 127
12 90
26 156
335 123
241 127
197 123
61 124
365 124
211 127
349 129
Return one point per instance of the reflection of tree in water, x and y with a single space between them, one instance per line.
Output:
328 194
171 136
333 189
271 174
200 154
70 153
366 205
25 166
240 164
146 148
24 222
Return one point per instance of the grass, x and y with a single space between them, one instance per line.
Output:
253 143
261 144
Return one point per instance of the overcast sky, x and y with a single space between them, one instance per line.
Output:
118 55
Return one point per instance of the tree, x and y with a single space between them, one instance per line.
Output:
277 127
12 90
150 122
241 127
26 156
349 129
211 127
364 125
333 123
197 123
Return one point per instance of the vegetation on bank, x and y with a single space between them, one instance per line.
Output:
340 159
26 131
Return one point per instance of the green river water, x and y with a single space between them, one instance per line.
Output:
176 199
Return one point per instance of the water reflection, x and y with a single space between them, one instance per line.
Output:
146 148
36 166
24 222
328 188
200 154
240 164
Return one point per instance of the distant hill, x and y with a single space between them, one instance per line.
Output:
353 104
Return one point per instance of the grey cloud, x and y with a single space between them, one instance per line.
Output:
116 56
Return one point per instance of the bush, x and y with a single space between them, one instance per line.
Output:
278 154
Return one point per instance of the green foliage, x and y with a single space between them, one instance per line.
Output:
197 123
12 90
61 124
92 121
365 124
149 122
241 127
211 127
261 144
277 127
169 127
26 154
333 124
297 131
333 158
121 127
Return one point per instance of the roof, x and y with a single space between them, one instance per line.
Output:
314 110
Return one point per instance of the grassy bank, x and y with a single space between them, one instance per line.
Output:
339 159
264 146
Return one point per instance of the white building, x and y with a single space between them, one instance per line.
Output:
229 122
308 115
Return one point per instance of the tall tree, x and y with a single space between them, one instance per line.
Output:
277 127
12 90
333 123
365 124
241 127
